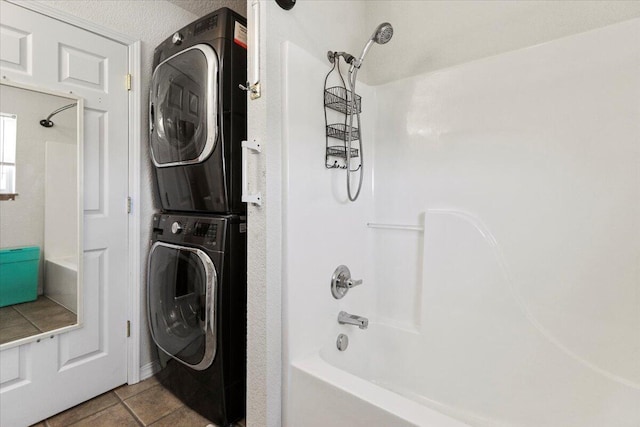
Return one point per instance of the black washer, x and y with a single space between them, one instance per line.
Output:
197 310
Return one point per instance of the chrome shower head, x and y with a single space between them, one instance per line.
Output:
381 35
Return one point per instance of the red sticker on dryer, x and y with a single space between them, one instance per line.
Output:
240 35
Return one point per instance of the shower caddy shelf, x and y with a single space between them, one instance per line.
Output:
340 99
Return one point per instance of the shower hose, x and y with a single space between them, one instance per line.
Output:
352 86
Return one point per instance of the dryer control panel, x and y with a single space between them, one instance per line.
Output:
207 232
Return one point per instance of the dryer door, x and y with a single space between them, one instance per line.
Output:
183 107
181 299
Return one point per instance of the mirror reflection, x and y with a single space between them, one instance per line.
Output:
39 211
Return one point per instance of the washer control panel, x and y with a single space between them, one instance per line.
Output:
206 230
197 230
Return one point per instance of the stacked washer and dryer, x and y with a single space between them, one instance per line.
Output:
196 290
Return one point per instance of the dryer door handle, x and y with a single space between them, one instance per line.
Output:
256 198
152 117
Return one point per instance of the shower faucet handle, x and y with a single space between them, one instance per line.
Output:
341 282
351 283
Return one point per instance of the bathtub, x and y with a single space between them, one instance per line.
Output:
394 377
351 388
325 395
61 282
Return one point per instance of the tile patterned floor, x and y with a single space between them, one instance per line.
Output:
144 404
30 318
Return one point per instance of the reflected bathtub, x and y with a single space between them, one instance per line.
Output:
61 282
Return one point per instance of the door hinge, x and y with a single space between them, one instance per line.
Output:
128 328
128 204
128 81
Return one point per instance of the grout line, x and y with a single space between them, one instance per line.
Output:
89 415
29 320
34 322
135 416
136 393
165 416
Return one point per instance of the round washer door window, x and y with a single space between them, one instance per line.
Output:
181 303
183 107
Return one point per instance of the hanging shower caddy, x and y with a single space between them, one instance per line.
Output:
340 99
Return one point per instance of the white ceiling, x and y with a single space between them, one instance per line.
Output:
202 7
432 35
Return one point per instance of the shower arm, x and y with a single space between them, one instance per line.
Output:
47 122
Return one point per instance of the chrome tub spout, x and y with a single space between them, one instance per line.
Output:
345 318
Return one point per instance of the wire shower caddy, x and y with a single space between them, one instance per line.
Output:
340 99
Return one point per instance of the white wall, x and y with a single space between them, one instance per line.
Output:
431 35
203 7
22 221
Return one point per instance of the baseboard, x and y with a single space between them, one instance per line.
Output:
149 370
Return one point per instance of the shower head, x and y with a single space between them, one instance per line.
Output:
47 122
381 35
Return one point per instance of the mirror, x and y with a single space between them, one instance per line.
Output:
40 208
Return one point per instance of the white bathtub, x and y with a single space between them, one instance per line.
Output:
61 282
390 376
324 395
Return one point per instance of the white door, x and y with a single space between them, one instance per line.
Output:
41 379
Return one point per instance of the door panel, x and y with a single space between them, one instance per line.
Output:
82 69
43 52
94 126
16 52
87 342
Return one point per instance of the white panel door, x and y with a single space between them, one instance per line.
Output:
42 378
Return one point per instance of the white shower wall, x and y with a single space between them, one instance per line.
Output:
524 169
60 199
512 297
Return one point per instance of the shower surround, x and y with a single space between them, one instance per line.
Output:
507 293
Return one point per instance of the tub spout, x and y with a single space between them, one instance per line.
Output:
345 318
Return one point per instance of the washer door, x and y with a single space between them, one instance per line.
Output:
181 300
183 107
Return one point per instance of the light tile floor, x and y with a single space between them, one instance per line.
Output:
147 403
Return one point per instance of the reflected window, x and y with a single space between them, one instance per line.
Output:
8 132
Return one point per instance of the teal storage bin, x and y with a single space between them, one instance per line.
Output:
19 275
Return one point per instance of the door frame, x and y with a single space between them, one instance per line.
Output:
134 172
